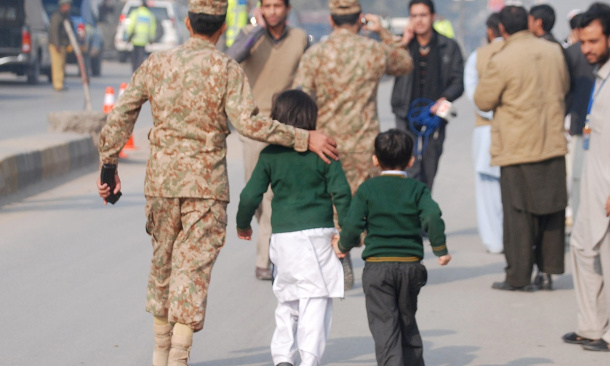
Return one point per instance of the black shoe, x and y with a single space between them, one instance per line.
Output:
574 338
598 345
543 281
506 287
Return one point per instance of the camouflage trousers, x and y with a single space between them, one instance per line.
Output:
187 234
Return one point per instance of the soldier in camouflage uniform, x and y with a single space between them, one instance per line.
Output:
342 74
192 89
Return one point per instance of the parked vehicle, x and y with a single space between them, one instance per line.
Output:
24 39
171 32
88 34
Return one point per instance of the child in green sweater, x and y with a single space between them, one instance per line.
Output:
393 209
307 273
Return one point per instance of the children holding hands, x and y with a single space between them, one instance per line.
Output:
393 210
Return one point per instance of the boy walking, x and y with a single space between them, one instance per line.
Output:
393 209
307 274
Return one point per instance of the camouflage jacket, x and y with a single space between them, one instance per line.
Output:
192 90
343 73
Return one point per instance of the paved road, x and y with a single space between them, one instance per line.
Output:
73 278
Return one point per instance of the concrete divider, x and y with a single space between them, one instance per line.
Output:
34 159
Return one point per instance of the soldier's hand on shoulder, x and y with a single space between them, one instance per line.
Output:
608 207
323 145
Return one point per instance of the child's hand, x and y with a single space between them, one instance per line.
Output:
244 234
443 260
335 244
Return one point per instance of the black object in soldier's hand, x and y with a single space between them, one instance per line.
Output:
107 176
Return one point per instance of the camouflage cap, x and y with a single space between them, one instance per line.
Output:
210 7
342 7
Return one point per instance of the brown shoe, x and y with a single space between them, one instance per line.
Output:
163 342
264 274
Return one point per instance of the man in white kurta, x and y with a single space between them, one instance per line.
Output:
487 177
590 240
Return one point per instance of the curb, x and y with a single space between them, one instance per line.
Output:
27 161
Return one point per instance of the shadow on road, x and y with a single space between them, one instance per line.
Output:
457 355
527 361
75 202
452 274
256 355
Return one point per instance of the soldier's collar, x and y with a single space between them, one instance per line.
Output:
342 32
199 41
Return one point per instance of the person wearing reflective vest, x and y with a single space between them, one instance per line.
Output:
237 18
141 31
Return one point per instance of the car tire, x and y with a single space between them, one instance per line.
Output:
123 56
33 72
96 66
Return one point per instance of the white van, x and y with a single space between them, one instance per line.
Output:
172 32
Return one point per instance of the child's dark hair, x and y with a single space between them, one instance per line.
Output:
295 108
393 149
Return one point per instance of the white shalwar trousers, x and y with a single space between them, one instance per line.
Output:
307 275
301 325
487 190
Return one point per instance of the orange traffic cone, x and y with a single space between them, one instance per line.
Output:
130 145
122 88
108 100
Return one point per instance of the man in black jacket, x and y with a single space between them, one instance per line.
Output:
541 20
437 76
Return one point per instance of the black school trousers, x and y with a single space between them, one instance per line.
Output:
391 290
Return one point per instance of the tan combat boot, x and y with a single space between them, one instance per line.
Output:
163 337
182 339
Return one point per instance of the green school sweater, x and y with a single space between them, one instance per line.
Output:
304 190
393 209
